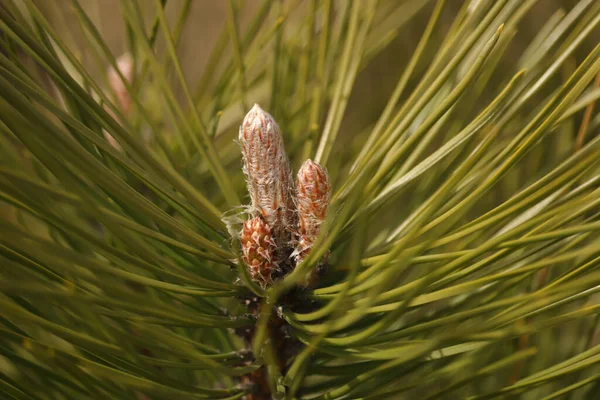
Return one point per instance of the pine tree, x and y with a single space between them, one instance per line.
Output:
163 237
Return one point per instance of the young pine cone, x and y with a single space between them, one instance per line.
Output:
268 174
312 198
258 250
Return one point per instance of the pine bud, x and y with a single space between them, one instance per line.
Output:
312 198
258 250
267 171
126 67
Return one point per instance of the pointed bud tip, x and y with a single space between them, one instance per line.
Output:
125 66
124 60
254 111
256 114
310 164
312 170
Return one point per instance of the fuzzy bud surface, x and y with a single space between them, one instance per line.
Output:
258 250
313 192
268 174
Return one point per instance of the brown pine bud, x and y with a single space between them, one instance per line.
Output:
312 198
268 174
258 250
